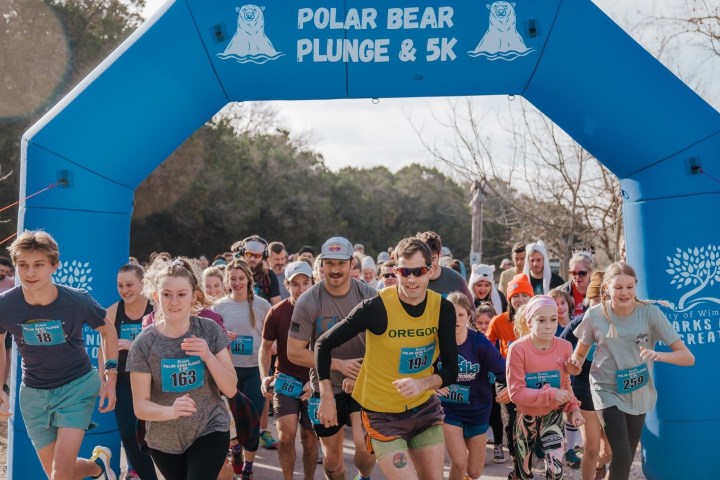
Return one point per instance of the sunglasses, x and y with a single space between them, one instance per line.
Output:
389 275
256 256
580 274
417 271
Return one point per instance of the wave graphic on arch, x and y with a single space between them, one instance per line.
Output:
508 56
257 59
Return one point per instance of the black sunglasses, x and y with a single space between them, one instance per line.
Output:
388 275
580 274
417 271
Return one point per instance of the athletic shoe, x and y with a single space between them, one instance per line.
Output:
267 440
600 472
132 475
246 475
101 456
359 477
571 459
498 455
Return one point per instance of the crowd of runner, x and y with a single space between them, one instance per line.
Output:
398 351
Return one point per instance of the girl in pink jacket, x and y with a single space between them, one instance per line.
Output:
539 385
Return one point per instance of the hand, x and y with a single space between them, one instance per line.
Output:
573 365
443 392
348 385
182 407
350 367
575 418
647 354
503 396
307 392
232 335
327 413
4 405
124 344
196 346
563 396
265 387
409 387
107 399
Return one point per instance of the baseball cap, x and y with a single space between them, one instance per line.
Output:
445 252
383 257
297 268
337 248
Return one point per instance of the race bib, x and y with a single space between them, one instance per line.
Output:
591 354
632 379
313 404
457 394
242 345
182 374
414 360
43 334
288 385
128 331
539 379
491 377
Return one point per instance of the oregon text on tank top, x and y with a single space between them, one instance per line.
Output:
127 329
407 349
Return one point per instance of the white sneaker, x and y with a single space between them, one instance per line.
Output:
103 454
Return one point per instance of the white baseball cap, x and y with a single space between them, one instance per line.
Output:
297 268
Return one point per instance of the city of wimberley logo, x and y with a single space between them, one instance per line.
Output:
694 271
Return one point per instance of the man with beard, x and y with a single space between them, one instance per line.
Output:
254 250
278 259
316 311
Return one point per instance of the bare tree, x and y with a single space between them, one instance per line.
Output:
551 188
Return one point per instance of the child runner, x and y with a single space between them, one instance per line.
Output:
179 366
244 313
213 283
625 330
482 287
484 313
59 384
539 385
596 450
500 331
127 315
468 401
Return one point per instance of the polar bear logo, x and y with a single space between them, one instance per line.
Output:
250 44
501 41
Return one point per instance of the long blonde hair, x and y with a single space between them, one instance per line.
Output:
238 264
520 324
612 271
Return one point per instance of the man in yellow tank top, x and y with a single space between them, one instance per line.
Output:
407 327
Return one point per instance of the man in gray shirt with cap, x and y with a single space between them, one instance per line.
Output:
316 311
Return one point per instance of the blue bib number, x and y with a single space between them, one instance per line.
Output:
632 379
313 404
539 379
128 331
182 374
457 394
491 377
43 334
591 354
242 345
288 385
414 360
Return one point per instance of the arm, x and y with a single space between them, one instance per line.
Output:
109 347
264 360
219 364
4 400
680 355
448 347
575 362
299 353
145 409
356 323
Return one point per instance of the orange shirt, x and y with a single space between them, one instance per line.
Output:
501 329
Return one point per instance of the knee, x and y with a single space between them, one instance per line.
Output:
461 464
286 440
333 461
475 472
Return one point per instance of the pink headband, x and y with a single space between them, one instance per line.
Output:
536 303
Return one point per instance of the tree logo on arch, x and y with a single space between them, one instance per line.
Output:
502 40
74 274
696 268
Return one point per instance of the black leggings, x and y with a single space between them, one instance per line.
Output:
496 423
126 421
202 461
623 433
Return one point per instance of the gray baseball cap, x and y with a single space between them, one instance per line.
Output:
337 248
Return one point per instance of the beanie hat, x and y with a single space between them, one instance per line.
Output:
368 262
519 284
536 303
484 273
540 248
593 289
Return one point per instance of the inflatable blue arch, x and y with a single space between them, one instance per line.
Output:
565 56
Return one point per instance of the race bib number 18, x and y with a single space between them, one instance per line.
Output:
43 334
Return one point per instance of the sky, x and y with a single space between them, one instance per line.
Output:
361 133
